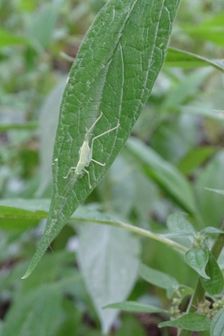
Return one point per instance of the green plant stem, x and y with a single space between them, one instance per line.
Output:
199 291
138 231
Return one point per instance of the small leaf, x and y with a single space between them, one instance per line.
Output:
135 307
158 278
197 259
215 284
108 259
210 230
217 325
182 58
191 322
113 76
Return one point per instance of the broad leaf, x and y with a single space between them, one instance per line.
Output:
191 322
108 259
113 75
197 259
217 325
135 307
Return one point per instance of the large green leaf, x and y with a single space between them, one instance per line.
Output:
114 73
159 279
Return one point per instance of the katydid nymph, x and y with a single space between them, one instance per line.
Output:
86 151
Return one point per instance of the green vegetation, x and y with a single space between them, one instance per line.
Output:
118 228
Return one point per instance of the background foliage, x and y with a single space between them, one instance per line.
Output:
161 188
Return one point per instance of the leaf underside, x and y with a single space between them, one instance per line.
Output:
114 73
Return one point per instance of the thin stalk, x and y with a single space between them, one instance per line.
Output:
136 230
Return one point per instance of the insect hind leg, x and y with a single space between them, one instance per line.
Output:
104 133
99 163
87 172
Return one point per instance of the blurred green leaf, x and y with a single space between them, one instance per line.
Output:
209 30
166 175
105 83
8 39
131 327
185 90
215 284
197 259
191 322
135 307
21 214
216 191
210 230
42 25
182 58
203 111
37 313
48 121
26 126
178 223
158 279
211 204
108 260
195 158
217 325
